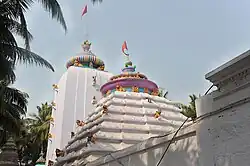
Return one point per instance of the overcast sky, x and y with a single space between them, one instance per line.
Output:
174 43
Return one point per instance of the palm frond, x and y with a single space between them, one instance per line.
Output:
27 57
190 110
96 1
23 31
13 104
7 74
53 7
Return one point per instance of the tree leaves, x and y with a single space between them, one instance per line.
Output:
53 7
36 133
13 105
190 110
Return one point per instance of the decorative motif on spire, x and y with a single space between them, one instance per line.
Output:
94 80
53 104
77 63
59 153
105 109
101 68
86 45
155 92
157 114
55 87
72 134
80 123
91 138
50 135
94 101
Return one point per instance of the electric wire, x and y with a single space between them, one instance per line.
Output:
159 162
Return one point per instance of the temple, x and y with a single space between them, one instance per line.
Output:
76 94
130 111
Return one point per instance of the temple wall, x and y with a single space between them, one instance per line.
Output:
73 102
223 127
79 93
56 127
183 151
224 137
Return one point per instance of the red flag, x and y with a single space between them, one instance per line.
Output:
85 10
125 48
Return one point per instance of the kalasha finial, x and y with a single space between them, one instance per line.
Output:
86 45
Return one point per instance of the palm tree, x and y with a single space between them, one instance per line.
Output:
33 135
39 126
13 105
13 22
28 149
190 110
23 142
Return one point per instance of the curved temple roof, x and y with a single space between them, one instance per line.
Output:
130 81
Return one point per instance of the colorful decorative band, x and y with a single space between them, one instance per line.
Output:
86 61
129 83
155 92
129 75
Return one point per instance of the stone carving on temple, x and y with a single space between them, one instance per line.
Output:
94 80
157 114
59 153
105 109
80 123
94 101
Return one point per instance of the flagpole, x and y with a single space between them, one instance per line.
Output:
84 14
86 27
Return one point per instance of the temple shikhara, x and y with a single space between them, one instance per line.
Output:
76 94
97 113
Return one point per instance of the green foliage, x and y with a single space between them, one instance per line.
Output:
13 105
13 22
30 134
34 136
190 110
39 123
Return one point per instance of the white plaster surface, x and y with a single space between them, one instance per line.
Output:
73 102
183 152
224 138
130 120
223 132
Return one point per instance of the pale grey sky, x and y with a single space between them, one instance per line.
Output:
175 43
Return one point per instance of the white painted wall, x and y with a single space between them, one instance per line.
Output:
57 114
223 129
183 152
73 102
223 137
